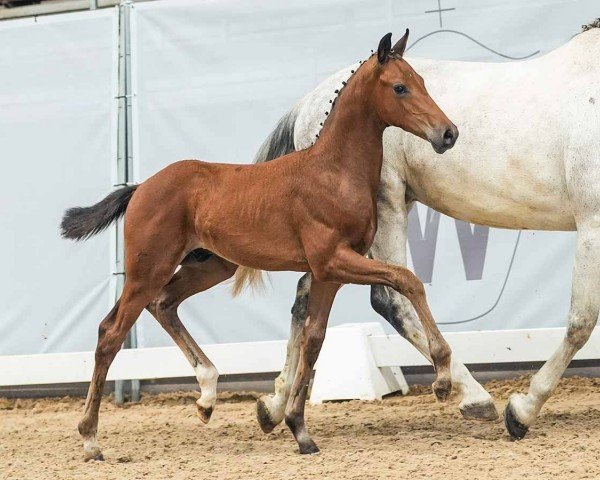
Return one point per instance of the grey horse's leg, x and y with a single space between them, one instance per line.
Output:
390 246
270 409
522 410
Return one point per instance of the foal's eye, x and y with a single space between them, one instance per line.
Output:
400 89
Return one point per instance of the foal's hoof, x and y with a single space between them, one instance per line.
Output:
204 412
442 388
308 448
266 422
516 429
480 411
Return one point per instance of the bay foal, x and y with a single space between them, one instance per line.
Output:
310 211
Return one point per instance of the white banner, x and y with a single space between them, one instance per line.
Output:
215 76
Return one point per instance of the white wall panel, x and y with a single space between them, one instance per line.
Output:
55 144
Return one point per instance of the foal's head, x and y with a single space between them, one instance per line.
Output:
401 99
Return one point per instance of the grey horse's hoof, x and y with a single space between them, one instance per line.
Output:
442 388
516 429
485 411
308 448
266 422
204 412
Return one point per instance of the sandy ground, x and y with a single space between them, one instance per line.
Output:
399 437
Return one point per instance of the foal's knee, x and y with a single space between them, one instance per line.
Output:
440 352
107 348
409 285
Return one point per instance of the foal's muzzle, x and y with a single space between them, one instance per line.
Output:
444 138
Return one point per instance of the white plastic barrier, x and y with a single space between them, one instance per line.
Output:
357 360
142 363
354 360
347 366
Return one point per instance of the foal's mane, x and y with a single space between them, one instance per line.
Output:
336 94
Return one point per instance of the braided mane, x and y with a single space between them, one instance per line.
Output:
336 93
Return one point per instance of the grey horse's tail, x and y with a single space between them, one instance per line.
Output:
80 223
279 142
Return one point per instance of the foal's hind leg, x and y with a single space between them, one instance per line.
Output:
522 410
141 285
189 280
111 335
270 409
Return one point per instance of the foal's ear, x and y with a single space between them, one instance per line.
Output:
400 45
385 45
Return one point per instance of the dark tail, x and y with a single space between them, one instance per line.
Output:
281 140
80 223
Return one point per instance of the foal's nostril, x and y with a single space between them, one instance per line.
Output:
448 137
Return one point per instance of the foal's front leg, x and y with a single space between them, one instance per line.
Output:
346 266
390 246
321 298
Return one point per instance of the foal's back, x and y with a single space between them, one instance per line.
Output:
227 205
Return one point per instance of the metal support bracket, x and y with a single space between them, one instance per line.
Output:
125 176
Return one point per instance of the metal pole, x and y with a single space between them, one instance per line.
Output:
125 170
93 4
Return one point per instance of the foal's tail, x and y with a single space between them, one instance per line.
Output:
80 223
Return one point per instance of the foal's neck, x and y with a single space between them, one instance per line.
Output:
351 140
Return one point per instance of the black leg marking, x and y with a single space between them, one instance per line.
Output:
306 446
383 305
300 307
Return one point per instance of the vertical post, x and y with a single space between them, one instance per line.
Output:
93 4
124 174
